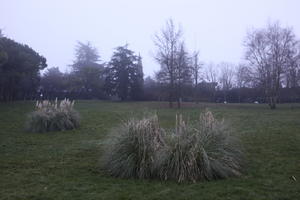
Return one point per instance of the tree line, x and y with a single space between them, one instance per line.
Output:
269 72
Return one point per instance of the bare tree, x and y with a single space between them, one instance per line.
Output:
270 51
298 75
211 73
182 73
226 77
169 43
293 69
243 76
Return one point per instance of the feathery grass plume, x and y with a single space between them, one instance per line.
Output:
50 116
177 159
130 151
222 149
200 151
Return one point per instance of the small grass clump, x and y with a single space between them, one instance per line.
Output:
203 150
54 116
130 151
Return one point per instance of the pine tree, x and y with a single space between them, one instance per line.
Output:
124 75
87 76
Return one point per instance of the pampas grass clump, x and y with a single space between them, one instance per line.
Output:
203 150
197 151
53 116
130 151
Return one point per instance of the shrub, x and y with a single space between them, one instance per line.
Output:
53 116
201 151
130 151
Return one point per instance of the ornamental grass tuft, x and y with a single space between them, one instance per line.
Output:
53 116
202 150
131 149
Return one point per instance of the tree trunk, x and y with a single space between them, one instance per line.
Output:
272 102
170 103
179 102
225 96
171 92
196 94
171 99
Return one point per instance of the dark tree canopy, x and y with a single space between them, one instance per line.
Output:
53 83
125 74
85 54
20 69
87 77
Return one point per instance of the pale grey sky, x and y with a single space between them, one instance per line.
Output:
216 28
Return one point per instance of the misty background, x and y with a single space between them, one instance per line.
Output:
216 28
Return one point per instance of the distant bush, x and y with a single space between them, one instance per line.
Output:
54 116
130 151
202 150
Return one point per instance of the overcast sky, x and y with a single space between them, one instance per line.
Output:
216 28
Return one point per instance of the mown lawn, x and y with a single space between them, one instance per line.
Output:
65 165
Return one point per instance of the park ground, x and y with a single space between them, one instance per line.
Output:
65 165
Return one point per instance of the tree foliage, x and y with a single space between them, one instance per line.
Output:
85 54
125 75
20 69
87 77
53 83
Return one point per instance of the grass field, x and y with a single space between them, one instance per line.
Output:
65 165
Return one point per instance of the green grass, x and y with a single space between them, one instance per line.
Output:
65 165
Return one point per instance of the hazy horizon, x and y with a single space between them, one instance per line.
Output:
217 29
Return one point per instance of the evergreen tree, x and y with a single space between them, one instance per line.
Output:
85 55
87 77
125 75
20 69
53 83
